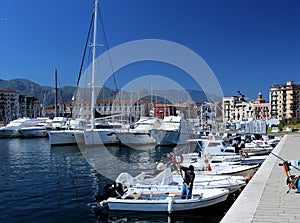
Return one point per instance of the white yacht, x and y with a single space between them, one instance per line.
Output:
12 128
174 129
38 130
139 133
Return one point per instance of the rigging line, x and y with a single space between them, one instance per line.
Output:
107 48
83 57
85 48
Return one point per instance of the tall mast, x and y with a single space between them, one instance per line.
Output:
93 65
56 101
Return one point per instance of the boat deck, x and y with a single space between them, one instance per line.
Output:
265 198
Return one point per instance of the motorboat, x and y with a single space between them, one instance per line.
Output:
73 134
158 196
12 128
174 130
139 133
59 123
38 130
173 180
256 149
165 200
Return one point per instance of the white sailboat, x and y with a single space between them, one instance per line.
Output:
97 136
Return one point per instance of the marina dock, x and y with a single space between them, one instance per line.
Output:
265 198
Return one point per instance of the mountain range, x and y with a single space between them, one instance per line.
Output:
46 94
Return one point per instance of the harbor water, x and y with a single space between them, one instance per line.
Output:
40 183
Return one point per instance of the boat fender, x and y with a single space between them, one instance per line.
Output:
177 158
208 167
170 205
248 178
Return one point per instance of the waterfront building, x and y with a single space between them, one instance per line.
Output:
29 107
285 100
131 110
9 106
236 108
13 106
261 108
208 115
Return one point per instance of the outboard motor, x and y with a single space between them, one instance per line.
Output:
111 190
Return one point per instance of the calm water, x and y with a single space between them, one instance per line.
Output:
40 183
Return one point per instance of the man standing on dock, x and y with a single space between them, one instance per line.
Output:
188 180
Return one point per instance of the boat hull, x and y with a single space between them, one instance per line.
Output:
165 137
66 137
169 203
135 138
9 133
32 133
100 137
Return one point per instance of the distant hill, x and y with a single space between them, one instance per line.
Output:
29 88
46 93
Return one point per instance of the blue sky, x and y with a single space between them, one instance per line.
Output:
249 44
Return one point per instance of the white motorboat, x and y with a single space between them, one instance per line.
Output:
165 200
139 134
227 169
59 123
173 181
254 149
12 128
73 134
39 130
173 131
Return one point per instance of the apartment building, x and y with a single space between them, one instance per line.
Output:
285 100
236 108
13 106
208 115
9 106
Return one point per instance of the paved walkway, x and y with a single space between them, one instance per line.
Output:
265 198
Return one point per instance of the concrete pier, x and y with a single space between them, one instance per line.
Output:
265 198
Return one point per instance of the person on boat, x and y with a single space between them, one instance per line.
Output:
188 181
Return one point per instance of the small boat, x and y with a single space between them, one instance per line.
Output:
173 181
229 169
165 200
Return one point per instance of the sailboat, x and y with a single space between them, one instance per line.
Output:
93 135
66 132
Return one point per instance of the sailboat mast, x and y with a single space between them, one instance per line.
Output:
56 100
93 65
